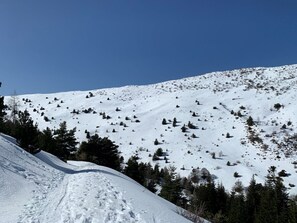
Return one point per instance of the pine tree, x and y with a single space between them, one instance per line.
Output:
184 128
171 188
282 200
205 196
275 184
221 199
149 175
236 209
25 130
133 170
250 121
267 212
252 200
101 151
191 126
174 123
47 142
292 210
2 113
66 141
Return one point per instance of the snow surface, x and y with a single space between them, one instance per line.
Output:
253 92
42 188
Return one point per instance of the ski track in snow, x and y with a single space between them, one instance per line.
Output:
74 199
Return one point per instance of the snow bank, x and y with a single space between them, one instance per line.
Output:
42 188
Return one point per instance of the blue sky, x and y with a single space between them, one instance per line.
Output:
63 45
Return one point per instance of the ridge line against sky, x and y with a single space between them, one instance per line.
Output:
55 46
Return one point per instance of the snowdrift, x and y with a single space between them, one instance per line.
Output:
42 188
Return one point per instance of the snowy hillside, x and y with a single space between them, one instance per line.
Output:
42 188
217 105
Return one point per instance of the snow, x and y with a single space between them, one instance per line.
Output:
42 188
256 89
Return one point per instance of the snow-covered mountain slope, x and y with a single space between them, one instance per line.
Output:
217 104
42 188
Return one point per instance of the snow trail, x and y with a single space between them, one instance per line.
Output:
83 196
41 188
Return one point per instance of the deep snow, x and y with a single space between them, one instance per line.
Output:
43 189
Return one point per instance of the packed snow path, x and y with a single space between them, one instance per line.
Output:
84 195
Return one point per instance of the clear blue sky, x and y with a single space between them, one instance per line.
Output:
62 45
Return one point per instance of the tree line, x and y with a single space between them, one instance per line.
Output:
261 203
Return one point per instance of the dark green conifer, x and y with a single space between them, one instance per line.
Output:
171 188
101 151
66 140
26 131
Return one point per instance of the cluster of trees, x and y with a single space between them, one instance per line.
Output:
153 177
257 203
60 142
2 112
268 203
101 151
143 173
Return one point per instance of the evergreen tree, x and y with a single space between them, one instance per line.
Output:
205 196
250 121
146 173
282 200
197 205
47 142
25 130
292 210
236 209
171 188
191 126
275 184
184 128
150 177
101 151
253 196
174 124
133 170
156 173
2 113
65 139
221 199
267 212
